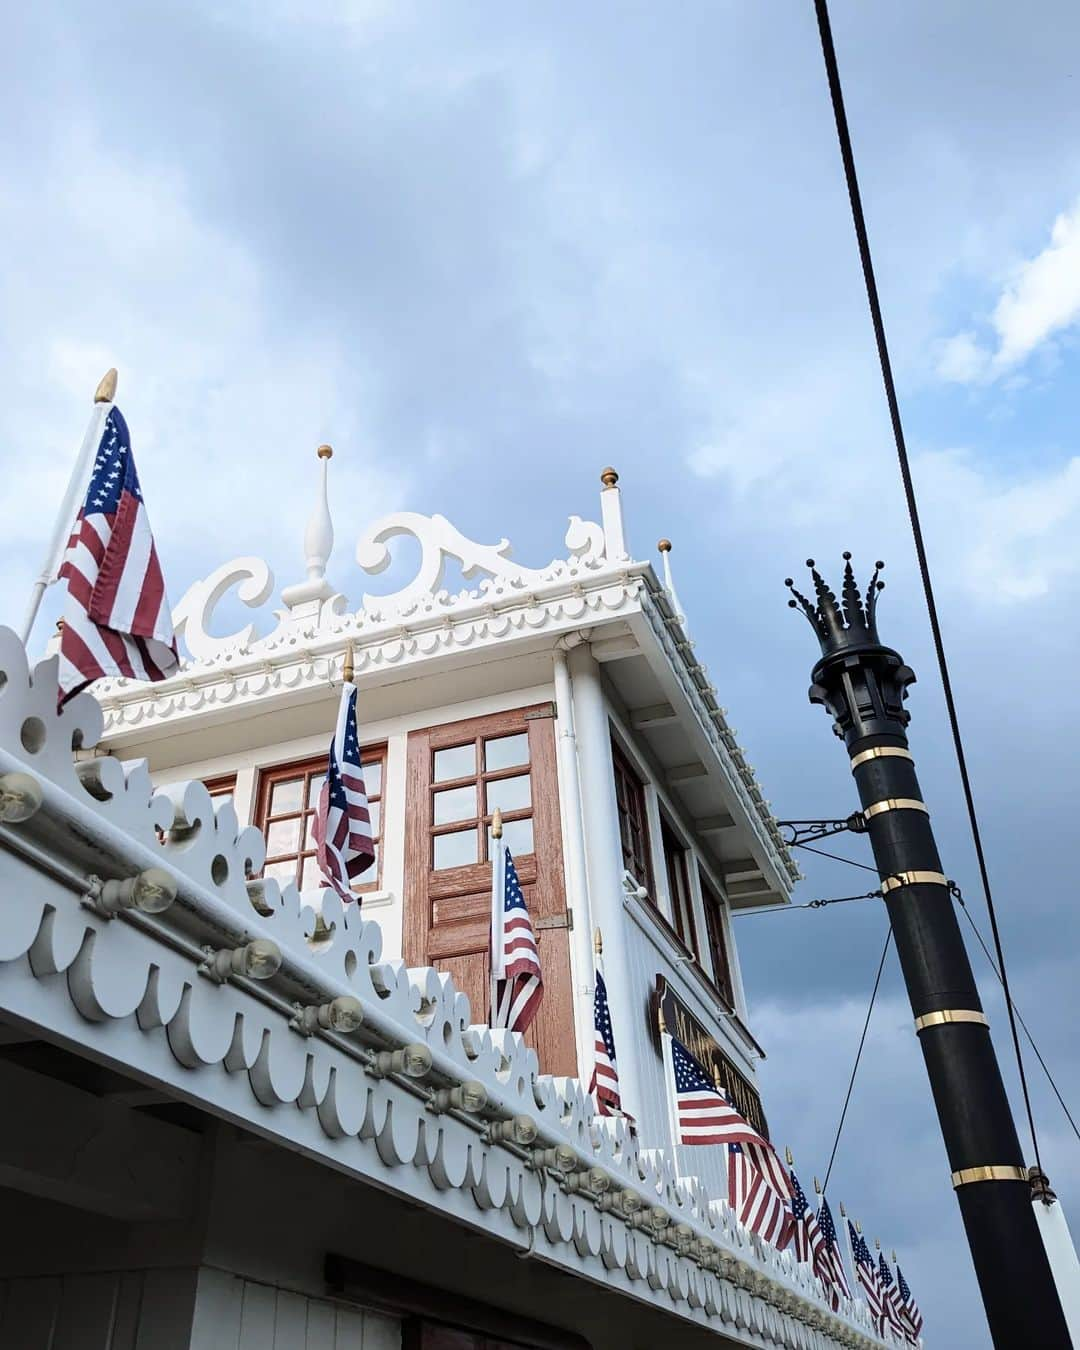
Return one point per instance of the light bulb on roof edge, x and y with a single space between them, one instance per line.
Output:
259 959
151 892
413 1061
20 797
599 1181
344 1014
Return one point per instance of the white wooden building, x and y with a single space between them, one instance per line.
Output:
191 1157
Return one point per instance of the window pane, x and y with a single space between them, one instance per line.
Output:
460 762
506 752
315 785
283 871
282 836
372 776
509 794
375 812
313 880
455 804
455 850
287 796
372 873
518 836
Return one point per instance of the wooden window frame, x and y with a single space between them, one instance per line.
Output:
677 868
633 817
719 956
310 768
221 785
481 821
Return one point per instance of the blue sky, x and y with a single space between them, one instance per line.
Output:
485 250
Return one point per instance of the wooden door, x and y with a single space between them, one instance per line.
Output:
458 774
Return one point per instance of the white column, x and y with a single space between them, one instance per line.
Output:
611 517
1063 1263
603 858
577 876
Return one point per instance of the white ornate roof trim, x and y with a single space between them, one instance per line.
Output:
243 1048
422 620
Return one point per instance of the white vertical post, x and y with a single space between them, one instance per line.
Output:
611 517
72 500
1061 1254
577 875
604 866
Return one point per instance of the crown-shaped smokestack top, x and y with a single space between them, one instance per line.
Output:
848 622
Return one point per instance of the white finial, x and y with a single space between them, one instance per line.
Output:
306 599
664 546
319 535
611 516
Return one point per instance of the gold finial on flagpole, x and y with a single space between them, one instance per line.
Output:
790 1159
858 1227
598 942
843 1211
817 1186
894 1256
347 669
106 390
496 824
877 1243
325 452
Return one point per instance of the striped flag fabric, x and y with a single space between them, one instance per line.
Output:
890 1298
809 1243
701 1113
517 982
866 1274
913 1318
759 1191
605 1076
116 618
837 1283
344 845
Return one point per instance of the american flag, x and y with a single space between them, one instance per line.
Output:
116 620
759 1191
837 1283
517 982
913 1318
605 1076
809 1243
890 1297
866 1274
344 847
701 1112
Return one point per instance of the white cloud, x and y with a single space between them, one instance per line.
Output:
1003 540
1041 298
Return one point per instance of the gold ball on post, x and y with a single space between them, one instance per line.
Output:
609 477
325 452
664 545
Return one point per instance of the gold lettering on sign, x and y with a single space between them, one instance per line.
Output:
673 1017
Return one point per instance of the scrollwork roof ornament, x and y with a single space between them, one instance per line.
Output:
193 615
440 542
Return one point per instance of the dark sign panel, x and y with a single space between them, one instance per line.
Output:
674 1017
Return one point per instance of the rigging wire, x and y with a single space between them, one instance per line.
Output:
818 904
955 891
847 154
1031 1039
858 1057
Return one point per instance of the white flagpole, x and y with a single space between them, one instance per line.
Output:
498 902
69 507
